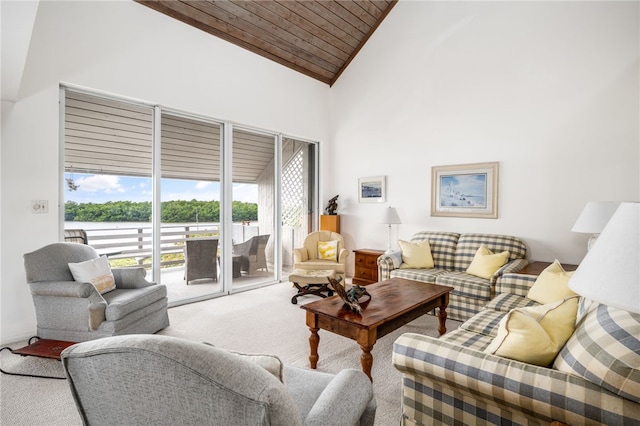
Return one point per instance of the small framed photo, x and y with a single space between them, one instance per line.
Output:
465 190
372 189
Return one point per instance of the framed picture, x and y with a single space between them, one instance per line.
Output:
465 190
372 189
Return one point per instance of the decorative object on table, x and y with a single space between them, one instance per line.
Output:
465 190
594 218
390 217
372 189
350 298
332 206
609 273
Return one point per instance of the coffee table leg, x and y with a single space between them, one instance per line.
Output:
366 360
314 340
442 319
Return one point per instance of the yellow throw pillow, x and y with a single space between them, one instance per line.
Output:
328 250
94 271
485 263
535 334
551 285
416 255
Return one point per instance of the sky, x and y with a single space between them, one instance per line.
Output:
102 188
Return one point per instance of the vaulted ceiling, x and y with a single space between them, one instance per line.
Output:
317 38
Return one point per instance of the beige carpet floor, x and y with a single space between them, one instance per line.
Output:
257 321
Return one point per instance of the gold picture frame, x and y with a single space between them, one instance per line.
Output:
465 190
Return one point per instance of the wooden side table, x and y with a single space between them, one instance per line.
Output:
330 222
534 268
366 266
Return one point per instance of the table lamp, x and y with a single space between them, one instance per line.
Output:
390 218
610 272
593 219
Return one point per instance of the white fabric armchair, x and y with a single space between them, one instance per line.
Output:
75 311
162 380
307 257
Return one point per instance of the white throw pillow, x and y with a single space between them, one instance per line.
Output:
94 271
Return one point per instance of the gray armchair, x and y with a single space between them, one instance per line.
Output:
252 252
75 311
200 259
162 380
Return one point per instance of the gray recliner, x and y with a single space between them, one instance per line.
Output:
162 380
75 311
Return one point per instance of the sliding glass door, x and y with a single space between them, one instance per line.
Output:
207 207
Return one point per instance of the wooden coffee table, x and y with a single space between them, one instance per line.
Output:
393 303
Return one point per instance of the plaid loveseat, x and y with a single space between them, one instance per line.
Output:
452 254
595 379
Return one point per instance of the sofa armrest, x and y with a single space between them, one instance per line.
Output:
343 401
61 289
132 277
342 256
538 392
510 267
386 264
518 284
300 255
95 303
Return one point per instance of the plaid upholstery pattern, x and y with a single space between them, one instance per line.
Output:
518 284
468 245
422 275
452 253
605 349
443 247
485 322
507 301
468 339
445 383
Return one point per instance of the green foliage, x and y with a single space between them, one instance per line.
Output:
178 211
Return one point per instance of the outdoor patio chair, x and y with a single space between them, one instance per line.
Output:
163 380
102 302
201 259
253 254
76 236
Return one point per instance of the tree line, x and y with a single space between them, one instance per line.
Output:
178 211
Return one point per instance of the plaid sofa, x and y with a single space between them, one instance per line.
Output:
452 254
595 379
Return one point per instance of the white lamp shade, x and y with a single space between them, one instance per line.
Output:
594 216
610 272
390 216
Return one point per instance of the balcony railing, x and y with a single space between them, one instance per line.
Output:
135 242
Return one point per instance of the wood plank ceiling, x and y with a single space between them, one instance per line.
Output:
317 38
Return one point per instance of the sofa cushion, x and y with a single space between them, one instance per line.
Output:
95 271
468 339
551 285
121 303
328 250
535 334
443 247
468 245
422 275
467 285
485 263
605 350
507 301
484 322
416 255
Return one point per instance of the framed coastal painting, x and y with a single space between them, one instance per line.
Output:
465 190
372 189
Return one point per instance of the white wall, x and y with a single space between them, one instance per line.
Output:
126 49
547 89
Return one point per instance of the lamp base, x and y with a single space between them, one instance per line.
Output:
592 241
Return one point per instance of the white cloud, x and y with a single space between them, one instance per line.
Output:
97 183
202 184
